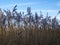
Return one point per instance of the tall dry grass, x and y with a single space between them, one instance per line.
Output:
47 34
29 36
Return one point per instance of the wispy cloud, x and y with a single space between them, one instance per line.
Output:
19 4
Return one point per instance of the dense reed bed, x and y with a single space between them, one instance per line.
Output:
17 28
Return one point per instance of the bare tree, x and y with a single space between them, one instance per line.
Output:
54 23
28 17
18 18
48 19
36 20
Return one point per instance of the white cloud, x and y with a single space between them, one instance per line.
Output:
58 4
44 12
51 13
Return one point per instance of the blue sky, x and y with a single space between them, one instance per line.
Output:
50 6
